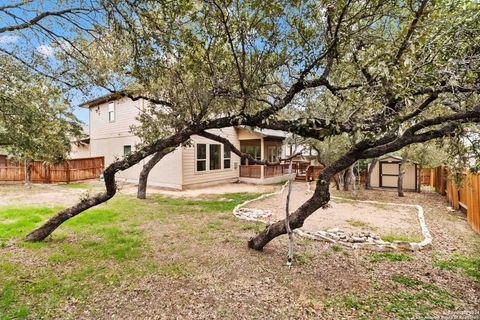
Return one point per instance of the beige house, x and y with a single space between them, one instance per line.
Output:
204 162
385 174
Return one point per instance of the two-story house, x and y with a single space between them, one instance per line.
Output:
204 162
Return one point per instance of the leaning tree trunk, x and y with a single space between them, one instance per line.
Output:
143 178
368 180
287 217
401 175
319 199
28 174
162 146
353 179
54 222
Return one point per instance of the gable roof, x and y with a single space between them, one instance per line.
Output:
396 158
105 98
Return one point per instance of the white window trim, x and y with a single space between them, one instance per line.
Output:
223 159
196 159
114 112
207 160
127 145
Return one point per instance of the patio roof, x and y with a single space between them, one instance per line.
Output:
266 133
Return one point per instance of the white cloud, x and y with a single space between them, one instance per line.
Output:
8 39
45 50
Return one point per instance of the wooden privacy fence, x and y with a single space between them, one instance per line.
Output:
425 176
65 171
467 196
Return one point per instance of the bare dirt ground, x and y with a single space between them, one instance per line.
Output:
213 189
350 216
39 194
69 194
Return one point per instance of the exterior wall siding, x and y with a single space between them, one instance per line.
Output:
108 139
178 169
126 111
167 173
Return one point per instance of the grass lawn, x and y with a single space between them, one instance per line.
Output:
75 185
187 258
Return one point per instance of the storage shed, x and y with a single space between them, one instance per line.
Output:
385 174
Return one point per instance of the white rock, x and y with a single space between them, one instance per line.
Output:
358 239
334 236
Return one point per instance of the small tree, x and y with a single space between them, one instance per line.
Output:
36 123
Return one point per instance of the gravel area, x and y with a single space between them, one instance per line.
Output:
350 216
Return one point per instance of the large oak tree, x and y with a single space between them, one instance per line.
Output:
387 74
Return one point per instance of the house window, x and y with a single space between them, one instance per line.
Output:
111 112
227 157
215 156
201 157
127 150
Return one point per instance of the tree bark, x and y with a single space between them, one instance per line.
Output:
143 178
368 179
319 199
353 179
347 178
287 218
336 179
28 174
54 222
163 146
419 188
401 175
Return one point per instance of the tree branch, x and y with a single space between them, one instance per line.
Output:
40 17
410 31
243 155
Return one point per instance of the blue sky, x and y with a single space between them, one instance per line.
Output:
81 113
18 41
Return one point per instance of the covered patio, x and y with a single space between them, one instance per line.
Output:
264 144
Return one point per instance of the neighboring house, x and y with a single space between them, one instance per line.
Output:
385 173
204 162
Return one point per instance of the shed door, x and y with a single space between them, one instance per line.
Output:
389 174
